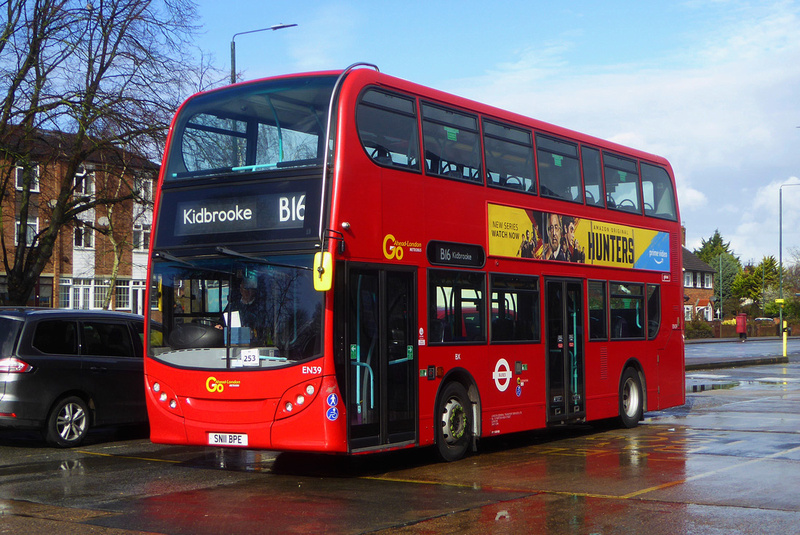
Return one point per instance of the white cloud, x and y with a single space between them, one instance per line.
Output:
726 120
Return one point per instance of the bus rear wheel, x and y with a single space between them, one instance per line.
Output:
631 399
454 424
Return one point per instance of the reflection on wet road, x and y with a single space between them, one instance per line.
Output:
726 462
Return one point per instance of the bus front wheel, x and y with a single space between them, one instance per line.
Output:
454 422
631 398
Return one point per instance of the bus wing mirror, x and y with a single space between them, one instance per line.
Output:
323 271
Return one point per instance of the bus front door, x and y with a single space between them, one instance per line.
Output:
565 342
381 358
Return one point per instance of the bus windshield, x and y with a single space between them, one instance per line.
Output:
251 127
228 312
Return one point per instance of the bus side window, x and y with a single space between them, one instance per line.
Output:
452 144
592 177
653 310
515 308
627 310
622 184
598 311
658 195
387 127
559 173
509 157
456 311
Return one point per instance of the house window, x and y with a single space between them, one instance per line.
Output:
81 293
123 294
84 237
84 182
141 237
31 231
20 172
65 293
101 287
709 281
688 279
144 189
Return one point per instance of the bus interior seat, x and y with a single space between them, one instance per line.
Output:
503 329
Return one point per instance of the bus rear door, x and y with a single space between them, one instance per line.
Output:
565 356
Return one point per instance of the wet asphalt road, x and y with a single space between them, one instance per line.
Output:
726 462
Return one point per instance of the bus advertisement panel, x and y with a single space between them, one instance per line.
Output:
515 232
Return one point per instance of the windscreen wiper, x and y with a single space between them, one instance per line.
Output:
172 258
163 255
236 254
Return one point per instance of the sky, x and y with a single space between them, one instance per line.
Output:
712 85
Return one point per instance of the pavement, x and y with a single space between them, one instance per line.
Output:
758 351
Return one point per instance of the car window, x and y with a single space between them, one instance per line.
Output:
56 337
8 335
138 341
106 339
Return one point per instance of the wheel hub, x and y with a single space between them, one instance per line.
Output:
454 421
71 422
630 398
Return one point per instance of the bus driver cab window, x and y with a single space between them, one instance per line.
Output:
241 314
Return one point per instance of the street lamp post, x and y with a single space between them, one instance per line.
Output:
233 45
780 262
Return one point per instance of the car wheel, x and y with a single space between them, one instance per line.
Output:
454 422
631 399
68 422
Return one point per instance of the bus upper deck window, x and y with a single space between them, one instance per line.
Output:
387 127
559 173
452 143
658 195
622 184
509 157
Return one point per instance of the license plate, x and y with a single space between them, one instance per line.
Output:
227 439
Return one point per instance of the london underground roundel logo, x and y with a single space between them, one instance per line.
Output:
502 375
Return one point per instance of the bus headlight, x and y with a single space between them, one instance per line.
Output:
163 394
298 397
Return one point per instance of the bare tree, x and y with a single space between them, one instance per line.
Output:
80 78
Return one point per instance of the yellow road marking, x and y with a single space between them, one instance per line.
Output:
708 474
128 457
628 496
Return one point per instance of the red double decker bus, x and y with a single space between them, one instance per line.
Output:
348 262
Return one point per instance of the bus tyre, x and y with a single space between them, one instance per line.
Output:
631 398
68 422
454 424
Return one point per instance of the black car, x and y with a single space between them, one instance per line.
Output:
64 371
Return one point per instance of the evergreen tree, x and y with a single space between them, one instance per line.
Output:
753 281
727 269
712 248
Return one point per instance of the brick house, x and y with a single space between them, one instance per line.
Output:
698 287
79 271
